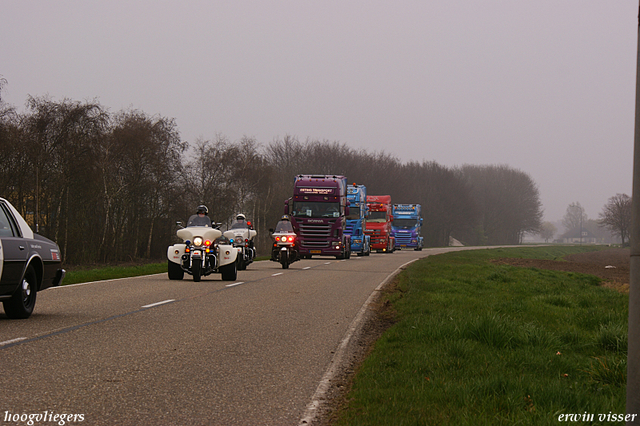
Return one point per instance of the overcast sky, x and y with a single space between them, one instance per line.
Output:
544 86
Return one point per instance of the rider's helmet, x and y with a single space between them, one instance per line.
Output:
202 209
285 217
241 217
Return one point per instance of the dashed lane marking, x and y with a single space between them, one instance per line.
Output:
159 303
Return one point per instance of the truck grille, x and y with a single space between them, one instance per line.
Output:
349 229
315 235
403 239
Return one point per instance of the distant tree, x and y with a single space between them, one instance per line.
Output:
575 217
508 202
616 216
547 231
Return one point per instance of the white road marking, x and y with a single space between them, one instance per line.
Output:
102 281
279 273
327 263
308 267
7 342
159 303
234 284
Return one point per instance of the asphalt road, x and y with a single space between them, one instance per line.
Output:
157 352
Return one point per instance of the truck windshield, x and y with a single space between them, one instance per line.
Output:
315 209
354 213
404 223
377 217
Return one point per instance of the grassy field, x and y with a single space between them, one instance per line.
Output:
78 275
476 343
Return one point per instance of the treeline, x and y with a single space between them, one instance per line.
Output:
110 186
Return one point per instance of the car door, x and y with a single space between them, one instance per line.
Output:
14 251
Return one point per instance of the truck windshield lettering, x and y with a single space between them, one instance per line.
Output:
316 191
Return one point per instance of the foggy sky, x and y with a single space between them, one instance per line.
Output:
544 86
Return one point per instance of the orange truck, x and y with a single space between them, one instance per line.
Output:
379 223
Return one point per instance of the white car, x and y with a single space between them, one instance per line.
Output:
28 263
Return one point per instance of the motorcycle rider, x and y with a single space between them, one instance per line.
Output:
284 225
242 223
200 218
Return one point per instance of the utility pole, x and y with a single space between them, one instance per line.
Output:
633 352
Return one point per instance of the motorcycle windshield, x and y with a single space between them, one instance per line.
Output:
196 220
240 225
284 226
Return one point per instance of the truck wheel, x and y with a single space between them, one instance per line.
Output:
229 272
175 271
23 301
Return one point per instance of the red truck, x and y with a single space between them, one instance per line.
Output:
379 223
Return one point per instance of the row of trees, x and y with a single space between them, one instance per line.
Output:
110 186
613 221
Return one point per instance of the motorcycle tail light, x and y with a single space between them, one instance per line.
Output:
277 238
291 239
207 243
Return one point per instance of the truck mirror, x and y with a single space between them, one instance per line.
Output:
286 206
271 230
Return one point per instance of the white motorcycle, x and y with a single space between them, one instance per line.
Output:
200 255
241 237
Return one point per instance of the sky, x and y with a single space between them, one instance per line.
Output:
543 86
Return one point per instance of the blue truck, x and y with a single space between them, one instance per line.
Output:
406 226
356 220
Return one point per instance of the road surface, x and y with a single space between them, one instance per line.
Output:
148 350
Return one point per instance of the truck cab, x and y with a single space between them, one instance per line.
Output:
357 219
318 212
378 225
406 226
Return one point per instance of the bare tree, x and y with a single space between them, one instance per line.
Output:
616 216
575 217
547 231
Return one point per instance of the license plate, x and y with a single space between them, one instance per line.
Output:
315 251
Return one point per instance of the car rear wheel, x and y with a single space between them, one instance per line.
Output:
23 300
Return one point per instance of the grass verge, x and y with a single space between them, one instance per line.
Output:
75 276
477 343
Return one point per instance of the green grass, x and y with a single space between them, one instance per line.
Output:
477 343
75 276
